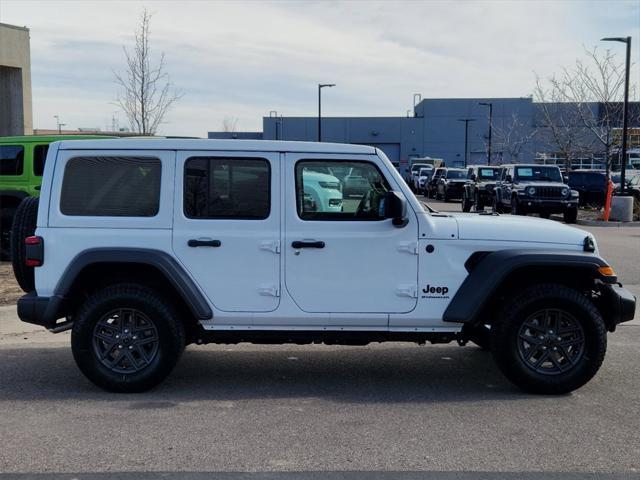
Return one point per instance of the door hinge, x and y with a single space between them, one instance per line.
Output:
269 291
410 291
270 246
409 247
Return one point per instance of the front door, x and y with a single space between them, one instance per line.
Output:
227 227
340 255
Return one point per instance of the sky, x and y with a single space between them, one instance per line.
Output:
245 59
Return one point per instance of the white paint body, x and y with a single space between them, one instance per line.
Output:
370 276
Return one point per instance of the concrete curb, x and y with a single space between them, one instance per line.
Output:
598 223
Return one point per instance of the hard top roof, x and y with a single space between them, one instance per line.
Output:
219 145
50 138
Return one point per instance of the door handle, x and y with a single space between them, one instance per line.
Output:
204 243
307 244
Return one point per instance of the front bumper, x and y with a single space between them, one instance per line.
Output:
43 311
551 205
617 304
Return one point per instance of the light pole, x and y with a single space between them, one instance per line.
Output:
60 125
490 105
466 137
320 87
625 111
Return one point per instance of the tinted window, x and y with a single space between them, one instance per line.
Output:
231 188
11 160
39 156
456 174
358 196
111 187
489 173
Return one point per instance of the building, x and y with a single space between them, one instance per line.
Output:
15 81
519 131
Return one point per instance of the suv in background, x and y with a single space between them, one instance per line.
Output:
478 190
591 186
413 173
524 189
421 180
21 165
217 241
431 186
451 184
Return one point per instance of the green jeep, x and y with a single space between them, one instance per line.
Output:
21 165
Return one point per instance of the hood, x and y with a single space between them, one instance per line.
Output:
524 184
512 228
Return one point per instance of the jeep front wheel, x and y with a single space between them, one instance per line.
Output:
126 338
570 215
549 339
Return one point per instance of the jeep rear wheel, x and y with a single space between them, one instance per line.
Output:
126 338
6 221
549 339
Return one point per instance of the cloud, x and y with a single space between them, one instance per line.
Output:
247 58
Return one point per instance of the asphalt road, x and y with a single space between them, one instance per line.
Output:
377 410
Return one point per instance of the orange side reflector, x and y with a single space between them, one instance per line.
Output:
607 271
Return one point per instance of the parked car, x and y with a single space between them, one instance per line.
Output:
206 241
21 165
323 189
633 187
591 186
451 184
478 189
421 180
524 189
432 183
413 173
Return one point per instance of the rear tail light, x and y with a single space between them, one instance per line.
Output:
34 251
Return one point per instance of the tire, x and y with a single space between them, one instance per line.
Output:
24 225
545 214
481 336
129 372
497 206
516 209
466 204
570 215
6 222
556 373
478 203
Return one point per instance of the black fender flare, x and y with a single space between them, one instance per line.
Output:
489 269
164 262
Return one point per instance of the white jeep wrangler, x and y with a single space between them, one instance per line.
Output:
145 246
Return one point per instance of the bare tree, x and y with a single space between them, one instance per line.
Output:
146 89
560 126
592 91
513 136
229 124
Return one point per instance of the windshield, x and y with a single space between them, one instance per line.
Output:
424 172
550 174
488 173
456 174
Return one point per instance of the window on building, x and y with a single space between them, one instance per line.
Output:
39 157
227 188
11 160
323 193
111 187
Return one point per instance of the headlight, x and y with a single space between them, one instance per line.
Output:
564 192
531 191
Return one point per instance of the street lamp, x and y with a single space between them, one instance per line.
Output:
320 87
466 137
60 125
625 111
490 105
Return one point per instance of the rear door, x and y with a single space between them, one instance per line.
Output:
227 227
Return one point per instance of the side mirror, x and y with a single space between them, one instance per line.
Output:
474 177
508 179
395 207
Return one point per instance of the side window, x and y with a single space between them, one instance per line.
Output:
39 156
11 160
350 191
111 187
227 188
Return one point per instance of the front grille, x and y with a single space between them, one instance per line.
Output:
549 192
